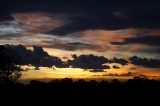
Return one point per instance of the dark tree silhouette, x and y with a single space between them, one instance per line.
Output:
67 92
9 70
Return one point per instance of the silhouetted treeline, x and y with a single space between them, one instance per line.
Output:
134 92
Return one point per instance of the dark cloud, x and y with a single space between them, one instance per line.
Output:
71 46
116 67
10 36
124 74
153 63
88 62
148 40
133 68
94 62
90 14
37 57
128 74
98 70
119 61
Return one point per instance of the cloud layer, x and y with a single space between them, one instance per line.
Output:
91 14
147 40
38 57
154 63
89 62
92 63
119 28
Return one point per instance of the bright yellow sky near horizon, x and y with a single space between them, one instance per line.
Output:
77 73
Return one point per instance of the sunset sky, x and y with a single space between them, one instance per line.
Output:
97 39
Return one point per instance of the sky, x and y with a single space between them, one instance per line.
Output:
97 39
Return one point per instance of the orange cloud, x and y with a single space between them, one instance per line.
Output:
103 38
39 22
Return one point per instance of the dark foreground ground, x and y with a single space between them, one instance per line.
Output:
65 92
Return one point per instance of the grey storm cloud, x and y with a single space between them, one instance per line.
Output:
98 70
88 62
94 62
116 67
119 61
71 46
10 27
90 14
146 62
37 57
147 40
128 74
